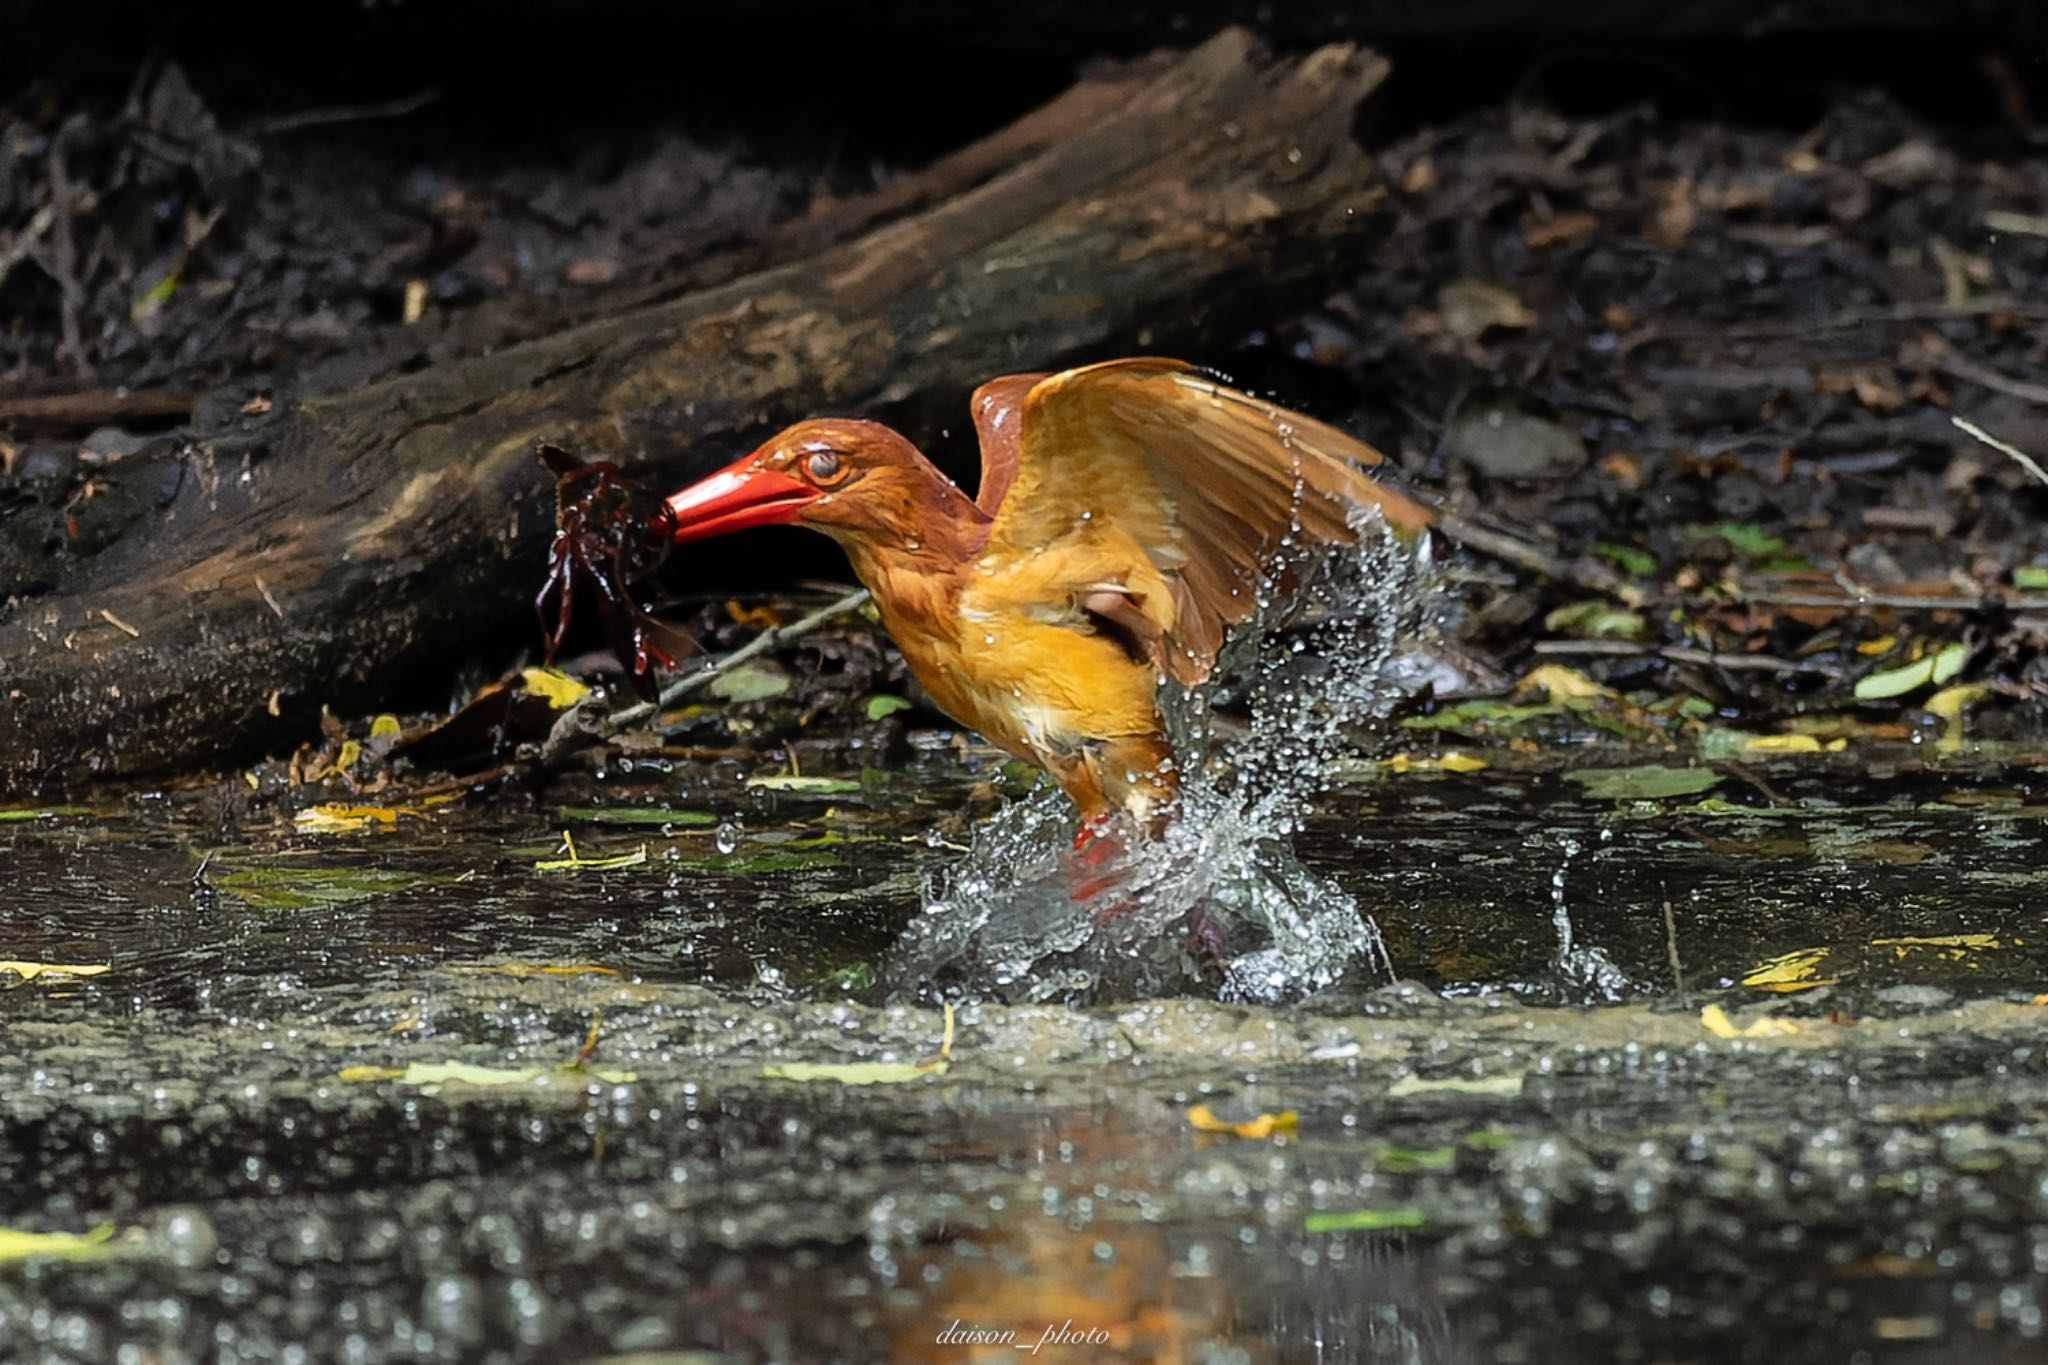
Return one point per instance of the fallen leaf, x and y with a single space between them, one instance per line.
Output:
1412 1160
1596 620
1715 1020
430 1076
1365 1220
1798 970
1563 684
1896 682
533 969
335 817
1454 1085
868 1073
639 815
29 971
879 707
41 812
1781 744
95 1244
1649 782
796 782
1204 1120
576 862
294 886
746 682
553 686
1450 761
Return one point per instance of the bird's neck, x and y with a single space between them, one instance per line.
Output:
910 554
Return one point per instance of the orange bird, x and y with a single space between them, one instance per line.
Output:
1127 513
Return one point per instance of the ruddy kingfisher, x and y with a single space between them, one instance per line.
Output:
1129 514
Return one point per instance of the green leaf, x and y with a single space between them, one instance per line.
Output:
1627 558
1411 1160
1481 716
2030 577
297 887
754 864
638 815
881 706
1747 538
1647 783
748 682
1948 663
1365 1220
1596 620
1896 682
41 812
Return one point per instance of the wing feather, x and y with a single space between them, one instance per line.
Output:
1151 458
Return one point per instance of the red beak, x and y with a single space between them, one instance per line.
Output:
735 498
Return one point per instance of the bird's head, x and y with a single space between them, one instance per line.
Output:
849 479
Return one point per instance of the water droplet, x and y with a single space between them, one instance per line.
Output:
726 838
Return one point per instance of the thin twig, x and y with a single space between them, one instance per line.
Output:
1682 654
63 265
1591 577
581 725
24 243
1899 601
2026 461
1671 949
345 113
1984 377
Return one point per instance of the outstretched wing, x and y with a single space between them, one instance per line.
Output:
1146 475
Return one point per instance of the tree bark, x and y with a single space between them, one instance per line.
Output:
359 538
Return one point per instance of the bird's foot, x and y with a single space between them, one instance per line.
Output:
1204 937
1096 864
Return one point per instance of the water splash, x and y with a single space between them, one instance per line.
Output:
1589 969
1220 902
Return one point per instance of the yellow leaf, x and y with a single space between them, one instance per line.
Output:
384 725
868 1073
559 689
1563 684
337 818
1452 762
29 971
431 1075
1883 644
576 862
1781 744
93 1245
1948 706
1951 947
346 759
1798 970
1204 1120
1716 1021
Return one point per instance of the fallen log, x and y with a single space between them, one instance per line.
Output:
360 538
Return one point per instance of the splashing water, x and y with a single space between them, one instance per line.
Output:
1219 901
1589 969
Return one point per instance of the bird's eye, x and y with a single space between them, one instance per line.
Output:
822 465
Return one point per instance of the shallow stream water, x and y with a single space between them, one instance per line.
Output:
1501 1158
